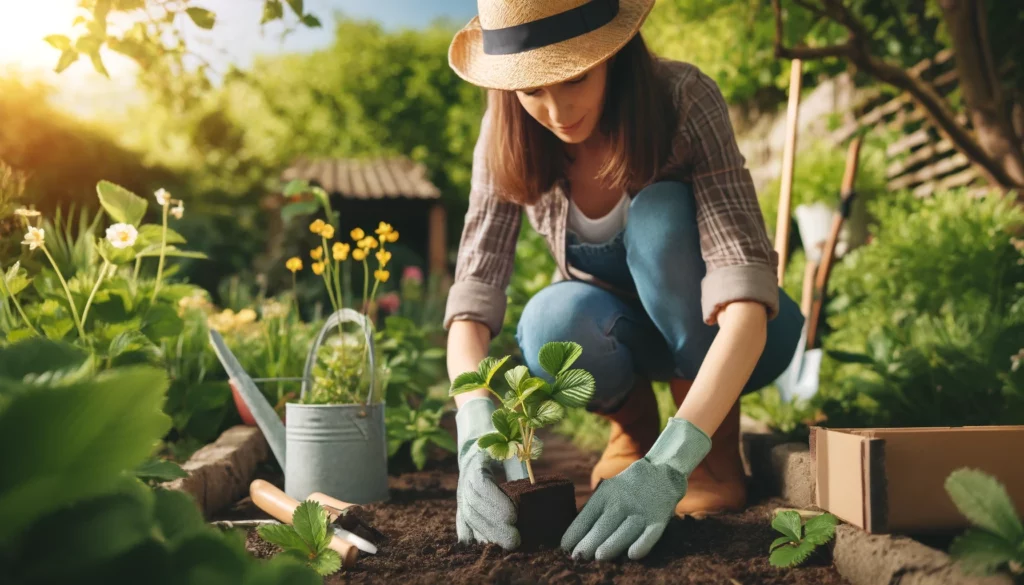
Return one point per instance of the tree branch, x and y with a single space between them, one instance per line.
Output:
805 53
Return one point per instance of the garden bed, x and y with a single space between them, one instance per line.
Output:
422 547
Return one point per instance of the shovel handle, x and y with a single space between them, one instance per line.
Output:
334 506
281 506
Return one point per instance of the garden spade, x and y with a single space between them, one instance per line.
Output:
800 379
347 516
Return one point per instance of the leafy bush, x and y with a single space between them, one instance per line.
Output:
996 540
927 318
82 429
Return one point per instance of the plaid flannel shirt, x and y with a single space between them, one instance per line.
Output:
741 262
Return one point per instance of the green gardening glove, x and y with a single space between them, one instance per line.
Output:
631 510
484 513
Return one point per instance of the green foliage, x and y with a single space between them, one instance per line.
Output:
926 319
799 539
413 355
790 419
530 402
84 440
419 428
306 539
997 540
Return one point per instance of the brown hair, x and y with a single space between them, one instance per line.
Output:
525 159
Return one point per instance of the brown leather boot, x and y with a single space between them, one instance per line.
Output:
719 483
634 430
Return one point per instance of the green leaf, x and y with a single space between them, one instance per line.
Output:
789 555
492 438
298 209
160 470
573 388
556 356
296 6
97 64
121 205
113 421
982 552
177 515
849 357
161 322
296 187
311 21
37 356
272 10
59 42
310 522
490 366
502 451
536 448
202 17
535 389
419 452
820 529
114 255
549 412
326 563
465 382
779 542
15 280
67 57
984 501
152 233
283 536
788 523
444 441
515 377
502 422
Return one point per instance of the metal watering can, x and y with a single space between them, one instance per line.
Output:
336 449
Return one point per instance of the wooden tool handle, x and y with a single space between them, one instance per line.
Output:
281 506
334 506
788 160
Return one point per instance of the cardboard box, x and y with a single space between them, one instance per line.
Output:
892 480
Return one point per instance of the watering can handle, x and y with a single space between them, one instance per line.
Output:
344 315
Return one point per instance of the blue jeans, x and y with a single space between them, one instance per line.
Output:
659 335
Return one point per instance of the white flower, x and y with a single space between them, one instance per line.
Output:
122 235
24 212
179 210
274 310
34 238
163 197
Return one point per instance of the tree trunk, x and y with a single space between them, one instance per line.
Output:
987 107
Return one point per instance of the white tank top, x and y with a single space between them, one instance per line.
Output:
601 229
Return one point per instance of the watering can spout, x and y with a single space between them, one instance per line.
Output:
267 419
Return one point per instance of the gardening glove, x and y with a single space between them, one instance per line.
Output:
484 513
631 510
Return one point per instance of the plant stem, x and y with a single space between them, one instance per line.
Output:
17 305
138 266
67 291
366 286
163 250
528 449
96 287
295 293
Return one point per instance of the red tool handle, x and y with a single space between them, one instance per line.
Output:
281 506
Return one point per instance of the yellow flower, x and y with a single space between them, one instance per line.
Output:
318 268
359 255
367 243
327 231
340 251
383 257
393 236
317 253
381 275
357 234
245 316
294 264
317 226
383 230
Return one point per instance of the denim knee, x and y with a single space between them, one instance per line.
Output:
587 315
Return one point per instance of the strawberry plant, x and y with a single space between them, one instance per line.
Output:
997 539
306 539
531 402
799 539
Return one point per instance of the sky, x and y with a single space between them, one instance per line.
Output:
237 39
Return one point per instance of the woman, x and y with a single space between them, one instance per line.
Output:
628 165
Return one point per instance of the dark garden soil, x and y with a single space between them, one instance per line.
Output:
422 547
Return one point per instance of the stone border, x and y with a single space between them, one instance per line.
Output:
784 469
219 474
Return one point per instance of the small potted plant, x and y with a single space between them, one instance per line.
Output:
546 505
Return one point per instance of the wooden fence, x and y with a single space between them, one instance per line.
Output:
921 159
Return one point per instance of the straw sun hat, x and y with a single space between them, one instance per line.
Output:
522 44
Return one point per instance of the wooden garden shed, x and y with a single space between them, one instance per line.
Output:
396 189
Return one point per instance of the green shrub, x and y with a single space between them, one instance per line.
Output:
925 320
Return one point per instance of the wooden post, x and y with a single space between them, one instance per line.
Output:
437 238
788 157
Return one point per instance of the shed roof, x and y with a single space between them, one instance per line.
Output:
366 178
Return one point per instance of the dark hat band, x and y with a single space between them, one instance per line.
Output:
550 30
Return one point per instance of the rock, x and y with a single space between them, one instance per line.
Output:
793 474
219 473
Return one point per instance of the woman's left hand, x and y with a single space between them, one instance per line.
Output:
629 512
